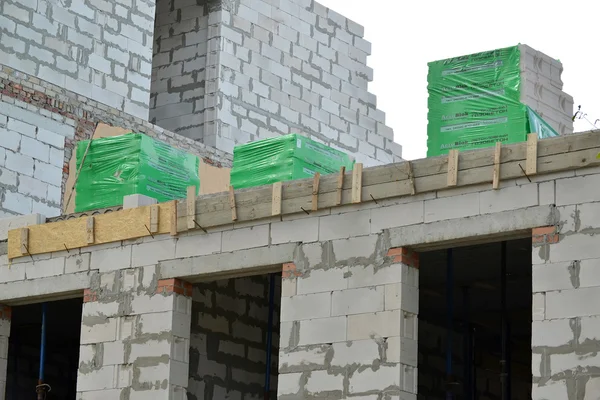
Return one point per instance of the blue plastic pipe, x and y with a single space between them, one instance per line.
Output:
450 312
270 335
43 344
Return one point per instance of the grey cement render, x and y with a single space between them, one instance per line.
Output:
231 72
362 341
101 49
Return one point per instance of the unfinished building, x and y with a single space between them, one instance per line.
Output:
468 276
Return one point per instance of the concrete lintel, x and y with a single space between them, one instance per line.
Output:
49 288
137 200
237 263
467 231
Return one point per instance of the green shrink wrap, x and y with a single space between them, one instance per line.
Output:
284 158
132 164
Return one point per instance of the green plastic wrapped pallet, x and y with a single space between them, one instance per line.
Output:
134 163
284 158
474 102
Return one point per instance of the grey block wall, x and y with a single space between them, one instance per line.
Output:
232 72
101 49
228 339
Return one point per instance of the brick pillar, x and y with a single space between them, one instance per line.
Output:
135 337
5 316
349 323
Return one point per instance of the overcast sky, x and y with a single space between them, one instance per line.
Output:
408 34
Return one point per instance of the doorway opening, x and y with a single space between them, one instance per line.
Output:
478 298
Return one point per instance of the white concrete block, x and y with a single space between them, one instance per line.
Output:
589 215
21 127
304 230
536 365
324 330
111 259
288 384
320 280
152 252
399 215
11 140
560 363
99 379
375 379
577 190
539 306
10 223
303 359
363 352
575 247
452 207
510 198
245 238
114 353
592 388
17 203
399 296
363 276
19 163
552 333
198 245
137 200
45 268
323 381
357 301
590 329
99 332
547 277
7 177
48 173
303 307
77 263
381 324
355 248
35 149
572 303
342 226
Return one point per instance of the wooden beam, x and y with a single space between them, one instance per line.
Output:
276 199
411 178
24 241
154 215
191 207
173 221
357 183
315 191
340 186
388 181
232 203
90 230
532 147
453 167
497 155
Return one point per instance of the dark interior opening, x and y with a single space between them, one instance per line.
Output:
63 328
476 314
230 335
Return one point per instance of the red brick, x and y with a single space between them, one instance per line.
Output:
405 256
289 271
5 312
89 296
174 285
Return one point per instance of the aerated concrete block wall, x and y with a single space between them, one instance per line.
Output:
40 125
228 346
566 288
246 70
99 49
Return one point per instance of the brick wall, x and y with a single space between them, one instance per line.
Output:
40 125
246 70
228 339
99 49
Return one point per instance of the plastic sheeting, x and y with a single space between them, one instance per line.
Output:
284 158
474 102
132 164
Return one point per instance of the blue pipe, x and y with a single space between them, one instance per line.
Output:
270 336
43 344
450 305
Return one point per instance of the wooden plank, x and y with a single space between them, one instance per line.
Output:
497 154
191 207
315 192
357 183
452 167
232 203
340 186
154 215
411 178
276 199
173 221
23 241
90 226
72 233
531 160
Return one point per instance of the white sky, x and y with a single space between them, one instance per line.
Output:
407 34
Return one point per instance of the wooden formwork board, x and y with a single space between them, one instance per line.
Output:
72 234
392 180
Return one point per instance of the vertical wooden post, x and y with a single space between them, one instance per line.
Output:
453 167
357 183
276 199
